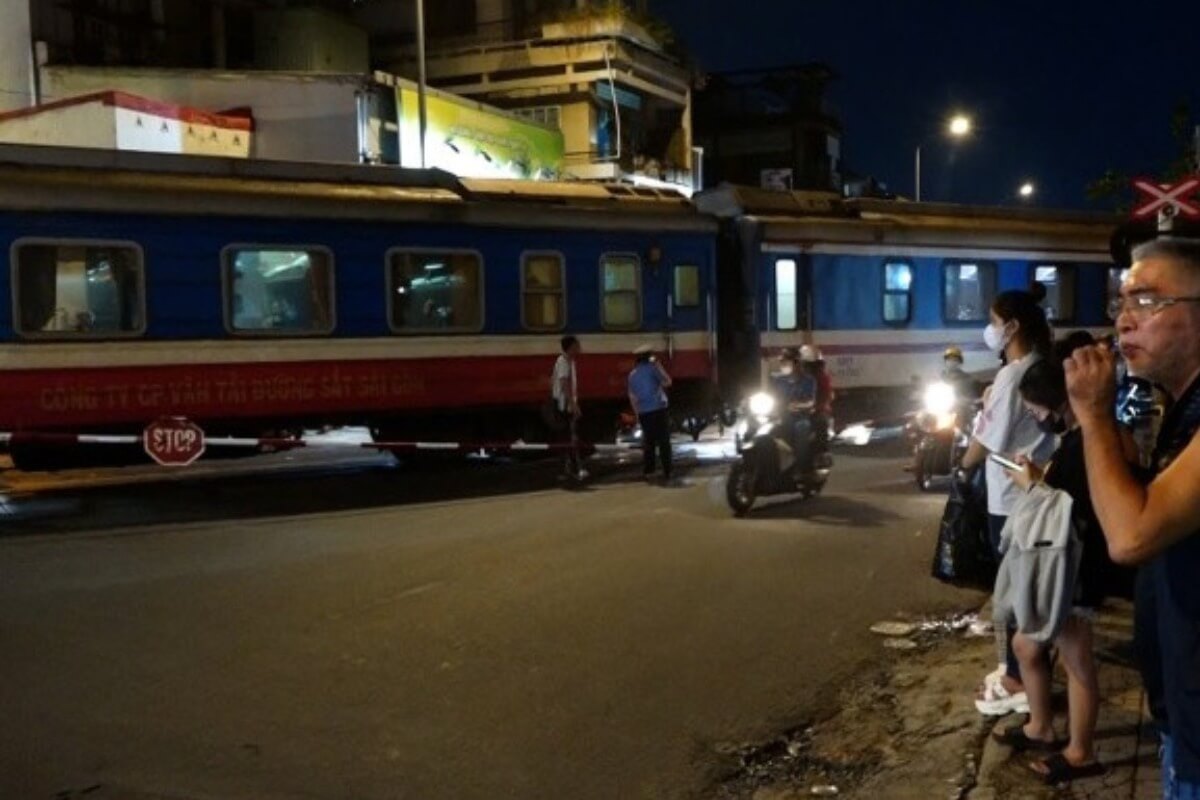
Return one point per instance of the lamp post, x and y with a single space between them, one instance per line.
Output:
421 121
959 127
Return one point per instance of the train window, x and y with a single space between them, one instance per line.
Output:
278 290
621 288
687 286
1060 291
785 294
897 291
76 289
543 291
1116 277
435 291
968 288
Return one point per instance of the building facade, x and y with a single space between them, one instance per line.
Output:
600 72
596 73
770 128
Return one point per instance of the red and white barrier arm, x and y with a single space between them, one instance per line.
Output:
281 443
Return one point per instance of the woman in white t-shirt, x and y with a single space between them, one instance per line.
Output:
1018 330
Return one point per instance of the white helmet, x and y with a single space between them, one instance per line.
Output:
809 354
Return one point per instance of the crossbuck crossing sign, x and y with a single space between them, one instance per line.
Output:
1171 200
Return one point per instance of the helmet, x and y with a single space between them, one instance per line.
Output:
809 354
953 352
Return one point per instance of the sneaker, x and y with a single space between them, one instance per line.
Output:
582 475
997 702
995 675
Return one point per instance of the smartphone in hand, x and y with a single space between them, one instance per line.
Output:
1005 462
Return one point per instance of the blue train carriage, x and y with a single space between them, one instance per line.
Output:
884 287
258 297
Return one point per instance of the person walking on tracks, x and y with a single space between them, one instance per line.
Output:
648 383
564 388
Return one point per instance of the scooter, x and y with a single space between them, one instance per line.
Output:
939 432
768 462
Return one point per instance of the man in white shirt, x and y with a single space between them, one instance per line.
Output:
564 387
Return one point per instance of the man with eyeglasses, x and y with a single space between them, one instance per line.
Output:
1156 525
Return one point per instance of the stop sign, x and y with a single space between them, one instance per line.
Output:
173 441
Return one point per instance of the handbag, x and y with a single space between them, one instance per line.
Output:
963 556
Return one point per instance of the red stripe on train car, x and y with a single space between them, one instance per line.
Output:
99 396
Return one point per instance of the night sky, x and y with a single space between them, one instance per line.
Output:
1060 90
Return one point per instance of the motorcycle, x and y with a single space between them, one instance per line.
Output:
939 431
768 461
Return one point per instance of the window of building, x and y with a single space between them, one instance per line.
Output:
897 291
621 288
435 291
543 291
75 289
550 116
278 290
968 288
1060 291
687 286
785 294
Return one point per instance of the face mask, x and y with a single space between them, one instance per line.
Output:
994 338
1053 424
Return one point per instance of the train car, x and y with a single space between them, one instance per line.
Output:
883 287
257 297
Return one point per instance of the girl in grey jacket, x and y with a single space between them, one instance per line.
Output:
1060 611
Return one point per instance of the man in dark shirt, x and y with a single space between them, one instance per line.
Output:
1156 525
797 390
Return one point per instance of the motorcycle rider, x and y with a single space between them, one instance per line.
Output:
953 374
796 389
814 365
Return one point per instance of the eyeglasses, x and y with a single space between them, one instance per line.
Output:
1143 306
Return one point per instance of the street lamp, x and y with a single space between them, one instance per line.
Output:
422 123
958 127
1027 190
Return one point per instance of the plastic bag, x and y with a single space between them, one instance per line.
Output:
964 554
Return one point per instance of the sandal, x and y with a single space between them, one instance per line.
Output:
1014 737
1059 770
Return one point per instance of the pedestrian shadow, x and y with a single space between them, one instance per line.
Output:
829 510
1122 731
1119 654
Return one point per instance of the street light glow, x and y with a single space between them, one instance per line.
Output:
1027 189
957 127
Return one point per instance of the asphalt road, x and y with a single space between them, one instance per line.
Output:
509 639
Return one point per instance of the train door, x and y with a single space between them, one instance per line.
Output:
786 299
736 313
687 308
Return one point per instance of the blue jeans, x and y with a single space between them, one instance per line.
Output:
1173 788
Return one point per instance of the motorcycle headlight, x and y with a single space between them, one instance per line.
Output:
940 398
761 404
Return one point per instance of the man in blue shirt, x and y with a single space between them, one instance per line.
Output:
648 383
